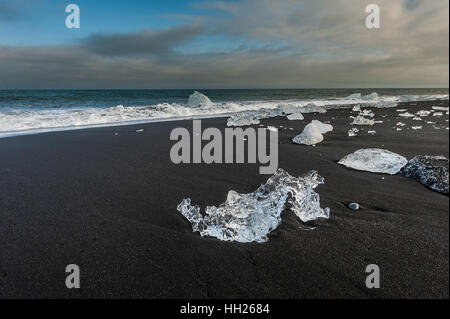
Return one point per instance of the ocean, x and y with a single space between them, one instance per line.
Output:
35 111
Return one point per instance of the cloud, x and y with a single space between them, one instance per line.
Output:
148 41
301 44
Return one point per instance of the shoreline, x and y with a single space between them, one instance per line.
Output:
108 202
34 131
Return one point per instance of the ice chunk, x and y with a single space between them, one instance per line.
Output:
438 114
418 127
368 113
417 118
252 117
406 114
372 132
440 108
353 131
361 120
401 110
400 124
423 113
356 108
295 116
374 160
312 108
311 135
197 99
324 128
272 128
432 171
251 217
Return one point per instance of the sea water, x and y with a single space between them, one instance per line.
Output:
35 111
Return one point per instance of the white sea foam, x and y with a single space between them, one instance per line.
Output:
30 120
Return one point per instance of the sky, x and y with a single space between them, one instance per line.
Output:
223 44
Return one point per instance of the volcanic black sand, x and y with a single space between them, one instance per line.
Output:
107 202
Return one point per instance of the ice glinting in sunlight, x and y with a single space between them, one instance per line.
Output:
251 217
312 133
374 160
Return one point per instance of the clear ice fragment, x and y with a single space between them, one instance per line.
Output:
251 217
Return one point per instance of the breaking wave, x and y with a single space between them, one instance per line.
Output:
30 120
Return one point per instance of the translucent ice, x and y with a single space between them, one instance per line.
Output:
423 113
251 217
197 98
295 116
311 135
353 131
324 128
251 117
356 108
361 120
440 108
406 114
374 160
432 171
368 113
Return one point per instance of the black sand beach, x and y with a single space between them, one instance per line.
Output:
107 203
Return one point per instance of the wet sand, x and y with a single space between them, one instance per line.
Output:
105 199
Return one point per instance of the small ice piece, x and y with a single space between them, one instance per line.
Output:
417 118
431 171
251 217
140 130
371 132
312 108
430 122
438 114
374 160
324 128
246 118
290 109
356 108
295 116
423 113
406 114
353 131
368 113
401 110
400 124
311 135
353 206
197 98
361 120
399 129
417 127
272 128
440 108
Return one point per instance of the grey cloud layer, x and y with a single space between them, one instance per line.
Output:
324 44
144 42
